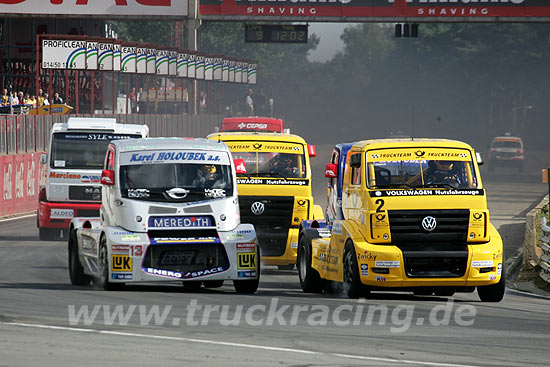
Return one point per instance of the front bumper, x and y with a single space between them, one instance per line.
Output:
291 251
387 266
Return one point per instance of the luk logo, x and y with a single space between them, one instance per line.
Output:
429 223
247 260
257 207
122 263
419 153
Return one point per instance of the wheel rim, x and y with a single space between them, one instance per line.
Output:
348 268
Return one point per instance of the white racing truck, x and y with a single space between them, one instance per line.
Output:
169 212
76 153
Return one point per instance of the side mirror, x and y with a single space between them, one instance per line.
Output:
312 150
479 159
43 158
331 170
355 160
240 167
108 177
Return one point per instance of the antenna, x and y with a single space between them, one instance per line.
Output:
412 122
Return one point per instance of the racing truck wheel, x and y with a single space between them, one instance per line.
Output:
310 280
493 292
352 282
103 262
249 286
76 272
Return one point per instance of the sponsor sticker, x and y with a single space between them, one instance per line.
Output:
387 264
122 276
365 270
380 278
130 237
366 256
246 246
120 248
482 263
180 222
158 240
180 275
234 236
492 277
247 274
337 228
246 260
294 245
499 269
61 213
121 263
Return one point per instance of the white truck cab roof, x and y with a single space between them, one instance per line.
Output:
88 124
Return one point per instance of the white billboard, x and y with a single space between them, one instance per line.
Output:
208 68
173 63
151 60
91 55
218 68
141 60
105 55
163 58
252 70
191 63
182 65
225 70
63 54
199 67
128 59
103 8
117 56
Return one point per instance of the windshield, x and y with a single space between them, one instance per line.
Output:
82 150
272 164
506 144
176 181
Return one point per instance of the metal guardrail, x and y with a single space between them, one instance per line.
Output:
26 134
545 247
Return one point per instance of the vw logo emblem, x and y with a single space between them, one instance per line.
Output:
429 223
257 208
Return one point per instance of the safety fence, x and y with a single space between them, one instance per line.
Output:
28 134
23 138
545 247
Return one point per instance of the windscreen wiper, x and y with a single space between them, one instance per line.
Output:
270 174
438 185
394 186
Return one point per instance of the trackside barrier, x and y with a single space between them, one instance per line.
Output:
28 134
545 256
23 138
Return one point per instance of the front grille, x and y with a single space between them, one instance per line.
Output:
87 212
85 193
184 257
435 264
451 226
272 225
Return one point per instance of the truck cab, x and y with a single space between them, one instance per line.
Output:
275 192
414 217
74 162
169 212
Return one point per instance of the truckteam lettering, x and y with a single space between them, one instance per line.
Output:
173 156
179 222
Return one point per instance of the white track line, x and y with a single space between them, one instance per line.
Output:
238 345
18 217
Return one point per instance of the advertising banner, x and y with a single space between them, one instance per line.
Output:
163 59
63 54
151 60
100 8
182 65
129 57
19 185
105 55
232 71
218 68
117 55
141 60
199 67
238 71
225 70
377 10
191 63
91 55
208 68
252 69
172 62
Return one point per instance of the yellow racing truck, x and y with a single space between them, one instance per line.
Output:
414 218
275 192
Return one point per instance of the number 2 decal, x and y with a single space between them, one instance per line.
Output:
381 202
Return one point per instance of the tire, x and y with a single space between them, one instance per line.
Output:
192 285
445 291
46 234
310 280
286 267
249 286
493 292
352 282
213 283
76 271
103 262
